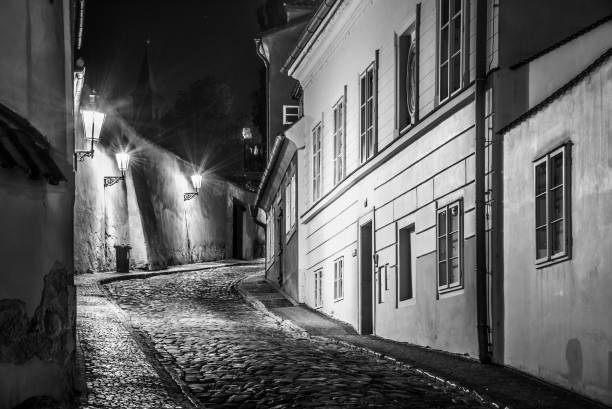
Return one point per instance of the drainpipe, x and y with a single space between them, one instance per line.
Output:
481 255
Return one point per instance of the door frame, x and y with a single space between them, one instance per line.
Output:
363 221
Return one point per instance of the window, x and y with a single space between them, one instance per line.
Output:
316 162
339 279
318 288
450 247
339 138
291 113
450 47
367 111
407 263
290 208
551 202
270 224
407 79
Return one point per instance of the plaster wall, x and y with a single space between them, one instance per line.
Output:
147 211
557 318
37 298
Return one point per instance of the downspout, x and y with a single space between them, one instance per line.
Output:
480 130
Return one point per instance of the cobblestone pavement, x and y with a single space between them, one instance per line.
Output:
228 354
117 372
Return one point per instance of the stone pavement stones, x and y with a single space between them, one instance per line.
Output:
493 383
229 354
114 370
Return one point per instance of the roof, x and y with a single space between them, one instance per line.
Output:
312 27
562 42
22 146
558 93
276 150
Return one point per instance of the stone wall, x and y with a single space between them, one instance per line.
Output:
148 213
37 299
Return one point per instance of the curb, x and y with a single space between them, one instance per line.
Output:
290 325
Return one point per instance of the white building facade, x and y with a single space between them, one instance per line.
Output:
386 187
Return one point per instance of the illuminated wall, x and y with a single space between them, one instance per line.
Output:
148 213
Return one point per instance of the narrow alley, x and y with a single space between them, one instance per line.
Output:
224 353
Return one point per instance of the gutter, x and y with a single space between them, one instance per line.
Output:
308 33
480 130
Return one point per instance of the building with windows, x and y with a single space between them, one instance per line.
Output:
277 192
557 184
402 178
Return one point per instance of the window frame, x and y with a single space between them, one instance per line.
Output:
290 206
449 287
339 279
460 54
317 164
363 112
339 130
318 288
404 43
546 160
287 114
410 228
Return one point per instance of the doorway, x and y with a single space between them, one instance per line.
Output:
238 228
366 325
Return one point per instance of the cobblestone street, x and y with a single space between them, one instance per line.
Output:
225 353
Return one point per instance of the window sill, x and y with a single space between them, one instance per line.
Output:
451 292
339 299
548 263
406 303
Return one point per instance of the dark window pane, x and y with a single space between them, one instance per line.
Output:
441 223
541 249
442 280
444 81
456 6
454 218
443 11
541 211
442 249
556 203
556 170
454 271
454 245
558 237
363 118
363 89
444 45
540 178
456 42
456 72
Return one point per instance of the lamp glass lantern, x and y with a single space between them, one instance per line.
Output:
123 160
196 181
246 133
92 120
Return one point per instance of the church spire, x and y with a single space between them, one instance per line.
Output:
142 96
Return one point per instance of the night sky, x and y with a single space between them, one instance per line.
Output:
189 40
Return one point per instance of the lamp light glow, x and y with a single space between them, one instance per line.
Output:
92 120
123 160
196 181
246 133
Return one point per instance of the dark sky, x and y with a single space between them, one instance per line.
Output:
189 40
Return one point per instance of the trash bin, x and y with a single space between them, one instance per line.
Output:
122 255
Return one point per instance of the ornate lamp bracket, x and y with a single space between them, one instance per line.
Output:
111 180
189 196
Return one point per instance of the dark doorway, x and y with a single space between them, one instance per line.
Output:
238 229
365 240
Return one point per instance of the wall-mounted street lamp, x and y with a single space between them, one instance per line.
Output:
196 181
123 160
92 125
